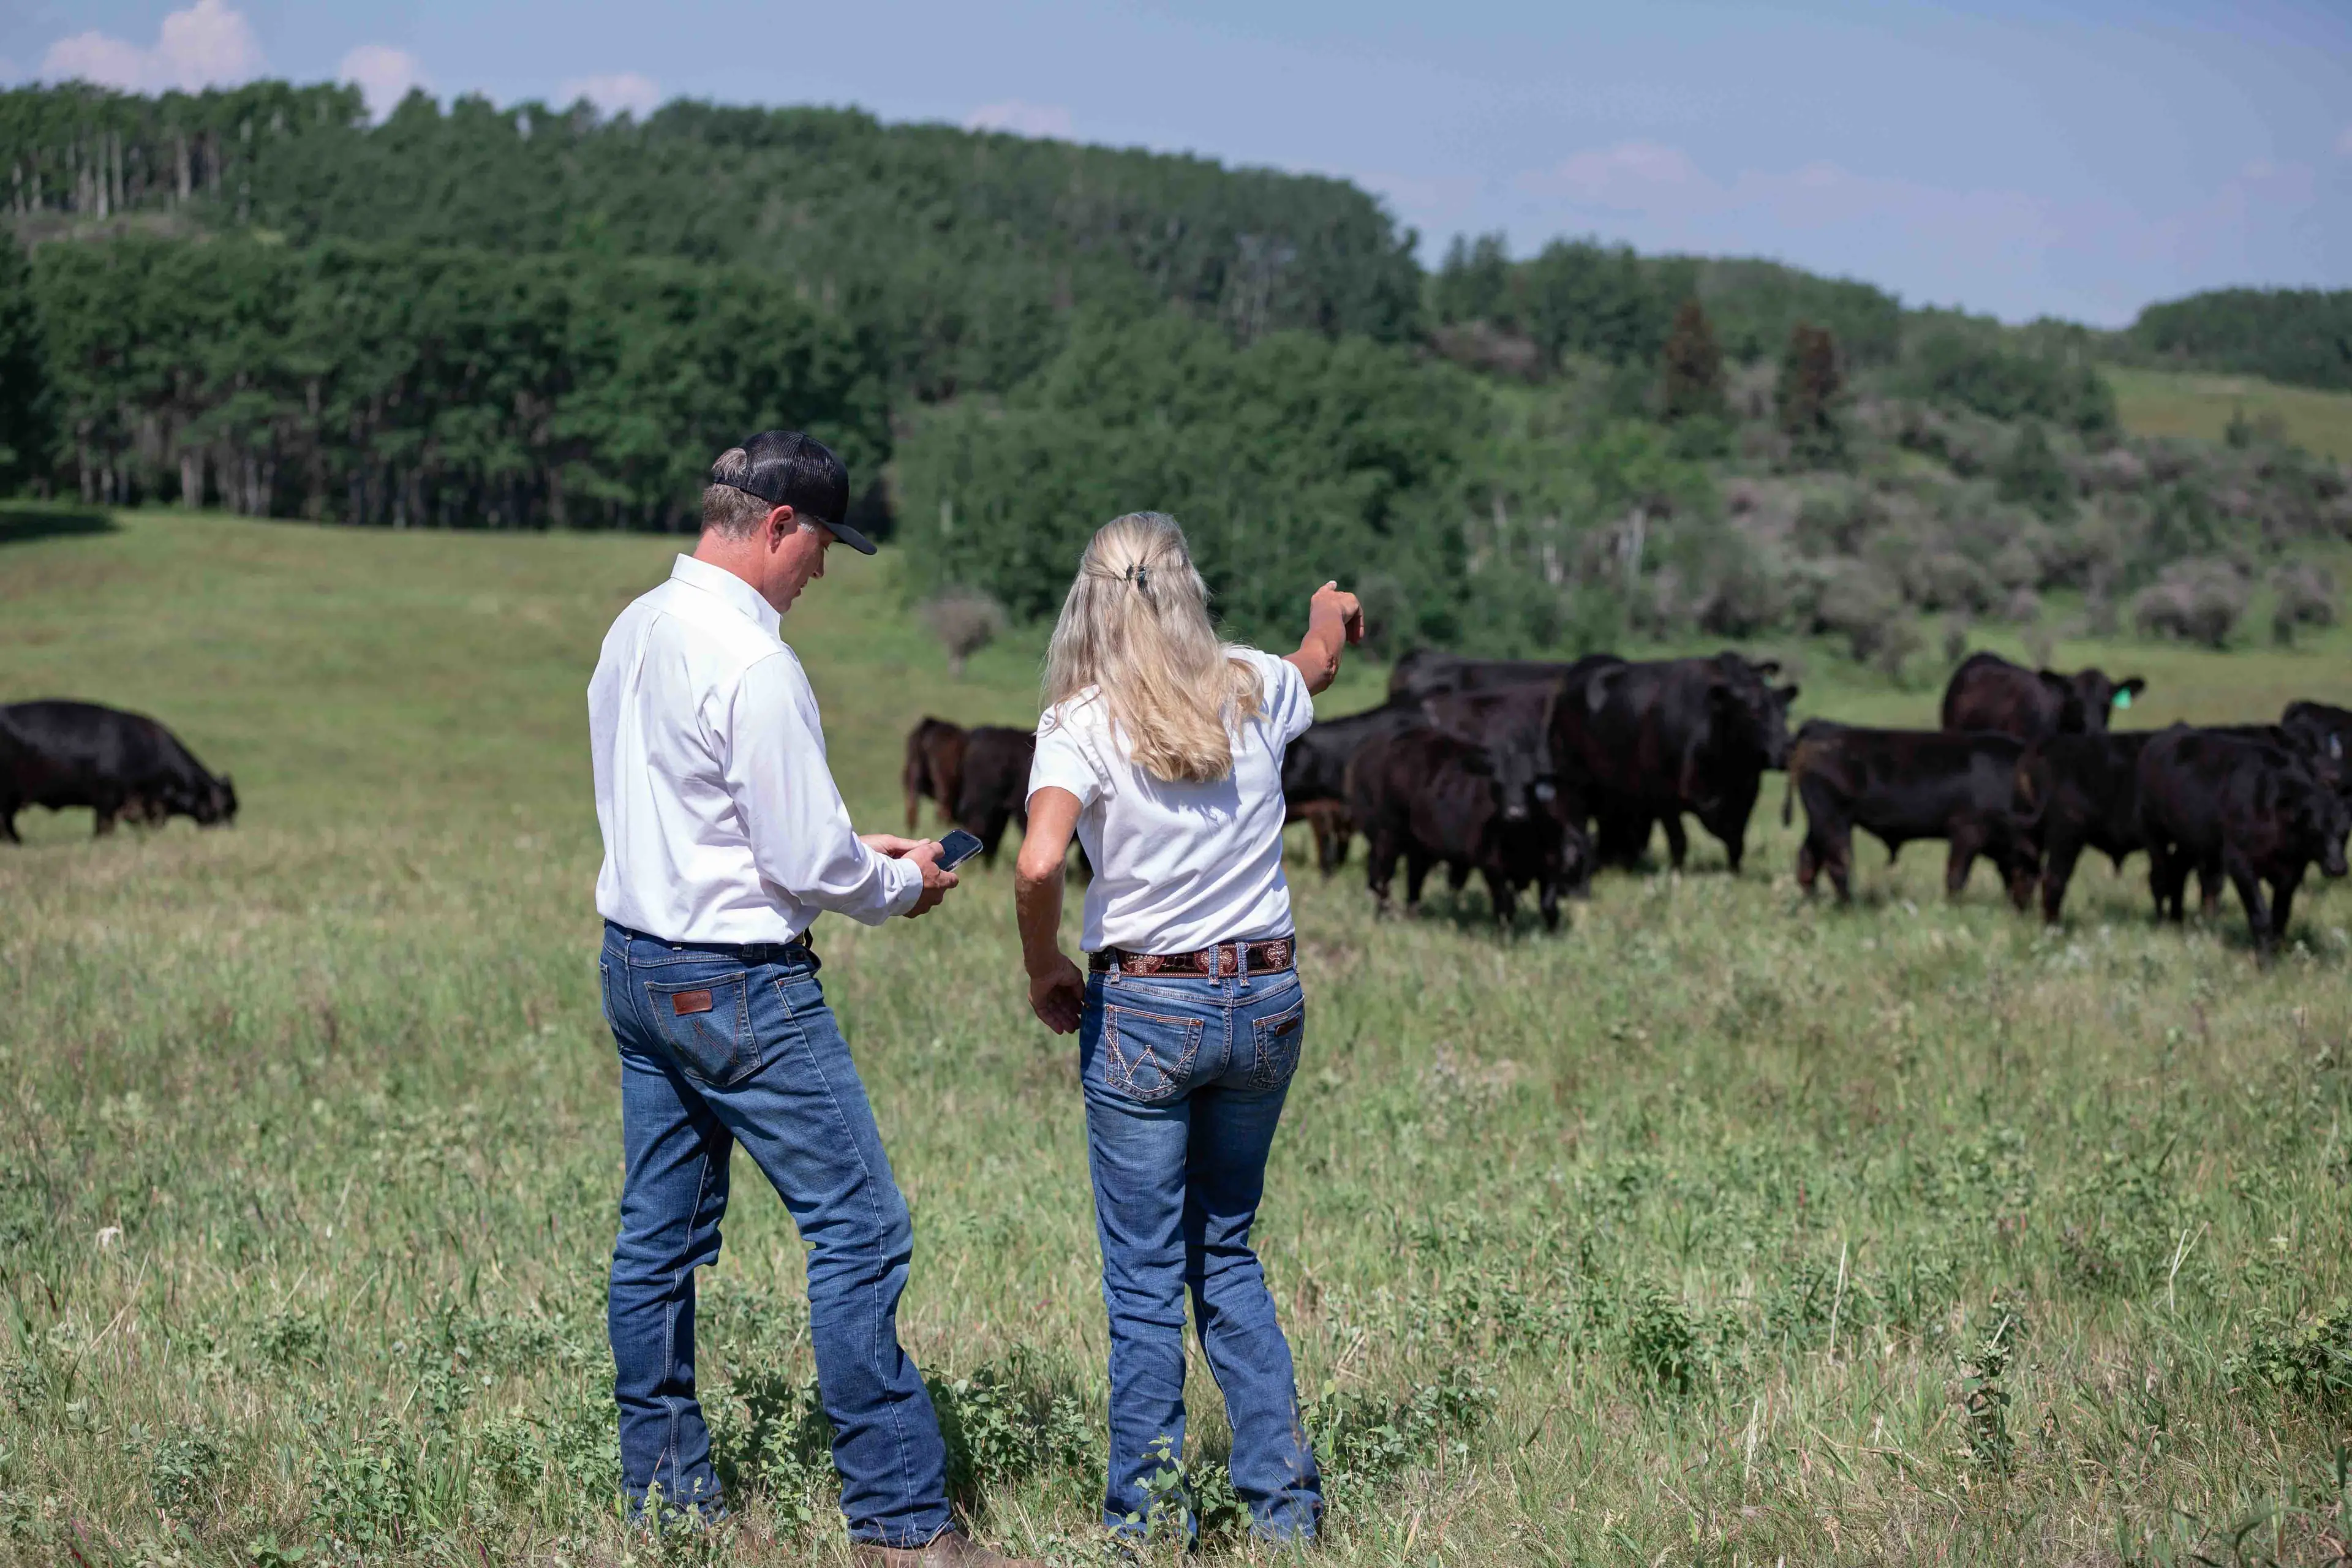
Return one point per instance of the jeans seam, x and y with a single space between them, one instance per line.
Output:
873 1349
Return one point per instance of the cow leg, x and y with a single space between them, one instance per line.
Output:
1416 872
2056 872
1503 901
2283 891
1841 864
1379 866
109 809
1548 900
1968 840
1457 877
1809 866
1677 840
914 805
2240 872
992 835
8 810
2209 887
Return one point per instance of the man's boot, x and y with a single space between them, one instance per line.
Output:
948 1549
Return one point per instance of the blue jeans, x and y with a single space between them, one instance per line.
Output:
1184 1079
718 1047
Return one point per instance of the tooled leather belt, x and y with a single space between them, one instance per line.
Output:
1226 958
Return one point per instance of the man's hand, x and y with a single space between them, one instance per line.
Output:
889 846
925 853
1058 996
1332 599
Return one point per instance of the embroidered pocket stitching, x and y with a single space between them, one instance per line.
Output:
1288 1025
1121 1068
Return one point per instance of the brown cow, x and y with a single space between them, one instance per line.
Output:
1989 693
934 767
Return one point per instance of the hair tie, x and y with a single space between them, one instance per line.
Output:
1141 575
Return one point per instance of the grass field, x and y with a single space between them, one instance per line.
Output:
1720 1228
2170 403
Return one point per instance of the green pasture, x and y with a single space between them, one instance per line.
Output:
1721 1227
2185 403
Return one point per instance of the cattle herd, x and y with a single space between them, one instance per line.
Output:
1532 774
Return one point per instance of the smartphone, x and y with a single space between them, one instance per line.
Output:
956 849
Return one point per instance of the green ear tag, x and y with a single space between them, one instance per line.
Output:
2123 699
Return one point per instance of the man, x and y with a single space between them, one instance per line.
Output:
724 837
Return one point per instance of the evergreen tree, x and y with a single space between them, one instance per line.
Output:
1693 368
24 381
2032 475
1812 393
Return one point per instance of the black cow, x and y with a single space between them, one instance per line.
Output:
934 767
1902 784
2254 810
1426 671
1513 725
122 766
1435 799
2086 788
2323 733
1989 693
1314 775
1652 741
995 789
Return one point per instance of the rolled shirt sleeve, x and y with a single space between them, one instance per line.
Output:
771 749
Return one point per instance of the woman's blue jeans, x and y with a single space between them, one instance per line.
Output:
1184 1078
719 1048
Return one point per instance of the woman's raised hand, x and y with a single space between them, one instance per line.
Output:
1332 599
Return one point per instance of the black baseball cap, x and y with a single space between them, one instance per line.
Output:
788 468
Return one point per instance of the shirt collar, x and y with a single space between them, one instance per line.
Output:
730 590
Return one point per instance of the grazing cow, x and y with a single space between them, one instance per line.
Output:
1425 671
1989 693
1314 775
2254 810
1660 738
1435 798
934 768
1902 784
58 754
995 789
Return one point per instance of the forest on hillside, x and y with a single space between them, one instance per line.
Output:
535 317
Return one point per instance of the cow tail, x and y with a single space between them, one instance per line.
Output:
1789 793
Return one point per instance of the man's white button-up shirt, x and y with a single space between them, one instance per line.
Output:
722 820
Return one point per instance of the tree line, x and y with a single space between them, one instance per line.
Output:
405 384
2301 336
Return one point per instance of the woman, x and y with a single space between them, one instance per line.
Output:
1162 748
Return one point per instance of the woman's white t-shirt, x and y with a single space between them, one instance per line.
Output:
1179 866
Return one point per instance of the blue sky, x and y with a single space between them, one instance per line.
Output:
2076 159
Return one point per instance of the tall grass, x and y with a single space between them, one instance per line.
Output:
1722 1228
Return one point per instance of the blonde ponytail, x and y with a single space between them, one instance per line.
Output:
1136 624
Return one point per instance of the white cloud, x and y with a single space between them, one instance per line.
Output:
384 74
207 45
621 90
1022 118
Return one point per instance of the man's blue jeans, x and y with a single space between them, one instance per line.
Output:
718 1047
1184 1079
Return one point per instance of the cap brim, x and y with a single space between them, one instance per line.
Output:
851 537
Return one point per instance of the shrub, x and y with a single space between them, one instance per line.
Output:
2309 1359
1979 374
2196 601
1812 390
2306 597
965 621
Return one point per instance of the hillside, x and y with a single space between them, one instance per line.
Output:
2200 406
527 318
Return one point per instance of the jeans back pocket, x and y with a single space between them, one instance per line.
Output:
706 1022
1277 1039
1147 1056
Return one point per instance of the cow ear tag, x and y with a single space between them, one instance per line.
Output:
2123 699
